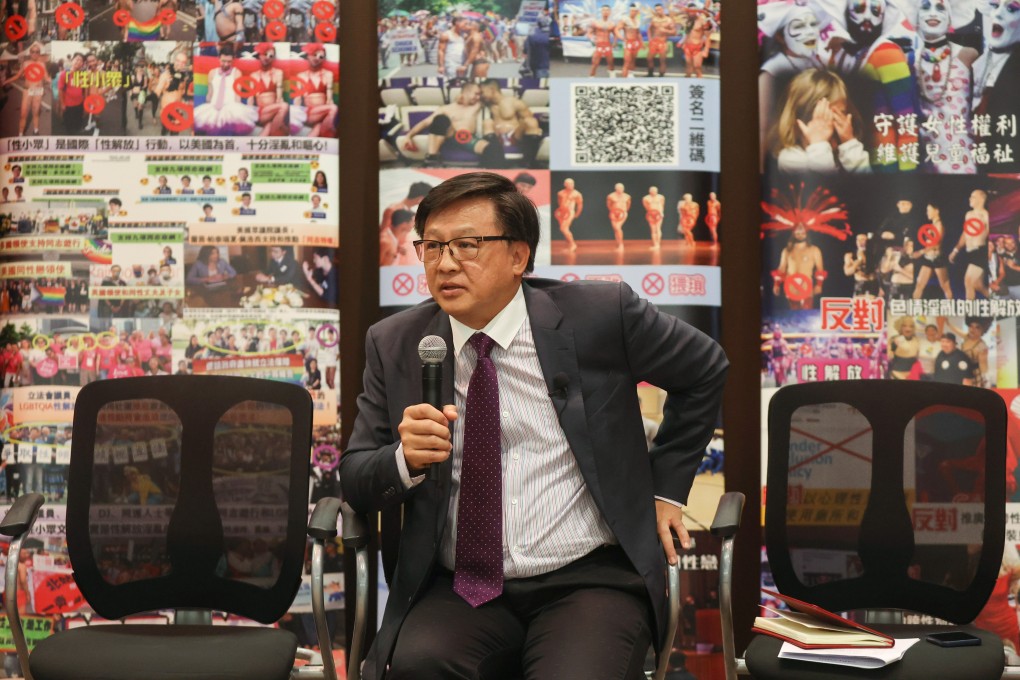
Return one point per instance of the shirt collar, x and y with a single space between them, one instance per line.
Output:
503 327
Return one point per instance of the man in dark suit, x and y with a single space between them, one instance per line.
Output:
581 504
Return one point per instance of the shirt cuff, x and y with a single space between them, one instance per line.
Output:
405 475
670 501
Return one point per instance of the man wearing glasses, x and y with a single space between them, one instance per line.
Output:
538 547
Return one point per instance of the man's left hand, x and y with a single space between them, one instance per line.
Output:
669 519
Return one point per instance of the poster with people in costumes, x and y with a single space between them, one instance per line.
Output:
889 212
168 205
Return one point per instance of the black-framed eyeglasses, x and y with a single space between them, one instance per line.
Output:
463 248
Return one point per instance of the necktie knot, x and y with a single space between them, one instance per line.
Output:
482 343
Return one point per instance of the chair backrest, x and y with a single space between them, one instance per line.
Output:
886 494
189 492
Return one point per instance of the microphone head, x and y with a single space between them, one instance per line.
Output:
432 349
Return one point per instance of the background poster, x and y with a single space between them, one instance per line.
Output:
168 204
888 222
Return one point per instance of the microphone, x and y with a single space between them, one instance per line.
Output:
432 351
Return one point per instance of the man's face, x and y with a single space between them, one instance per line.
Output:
316 201
568 184
864 20
800 232
276 253
206 182
907 329
933 19
246 201
91 62
904 207
490 93
947 345
1004 19
619 188
186 182
801 33
226 61
76 62
931 333
1009 243
605 12
654 191
977 200
660 11
164 272
469 95
181 62
473 291
207 210
114 272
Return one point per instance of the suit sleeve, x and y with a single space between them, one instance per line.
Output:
691 368
369 477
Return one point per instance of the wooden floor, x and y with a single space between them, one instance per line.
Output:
635 252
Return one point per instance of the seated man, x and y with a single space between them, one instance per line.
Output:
539 544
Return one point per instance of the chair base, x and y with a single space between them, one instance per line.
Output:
923 661
169 652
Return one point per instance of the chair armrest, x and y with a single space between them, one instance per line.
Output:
21 516
322 524
356 530
727 515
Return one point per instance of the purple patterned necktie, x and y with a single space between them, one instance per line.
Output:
478 569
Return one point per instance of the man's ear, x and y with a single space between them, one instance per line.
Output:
521 253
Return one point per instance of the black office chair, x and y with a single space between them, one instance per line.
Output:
882 496
187 493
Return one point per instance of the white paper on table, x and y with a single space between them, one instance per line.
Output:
858 657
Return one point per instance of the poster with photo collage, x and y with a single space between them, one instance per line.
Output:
889 214
168 205
604 113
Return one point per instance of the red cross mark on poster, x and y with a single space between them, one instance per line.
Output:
652 284
974 227
275 31
797 287
462 136
325 32
167 17
928 235
298 88
176 117
69 15
35 72
16 28
828 447
121 18
273 9
403 284
569 276
94 104
323 10
244 87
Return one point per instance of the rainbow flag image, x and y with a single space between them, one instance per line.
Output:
141 31
98 251
51 295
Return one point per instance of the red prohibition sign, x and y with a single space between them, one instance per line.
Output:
275 30
94 104
273 9
244 87
69 15
652 284
298 88
325 32
34 72
569 276
797 287
176 117
167 17
463 136
16 27
403 284
929 235
121 18
323 10
974 227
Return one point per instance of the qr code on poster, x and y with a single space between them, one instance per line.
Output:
624 124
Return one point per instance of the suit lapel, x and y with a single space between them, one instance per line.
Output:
557 354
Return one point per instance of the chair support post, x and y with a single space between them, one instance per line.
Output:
673 575
319 612
726 607
360 614
11 603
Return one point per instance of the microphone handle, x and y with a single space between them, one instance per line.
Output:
432 394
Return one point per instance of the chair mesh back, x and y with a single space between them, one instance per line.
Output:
887 494
189 491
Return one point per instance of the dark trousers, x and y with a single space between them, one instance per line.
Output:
589 619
